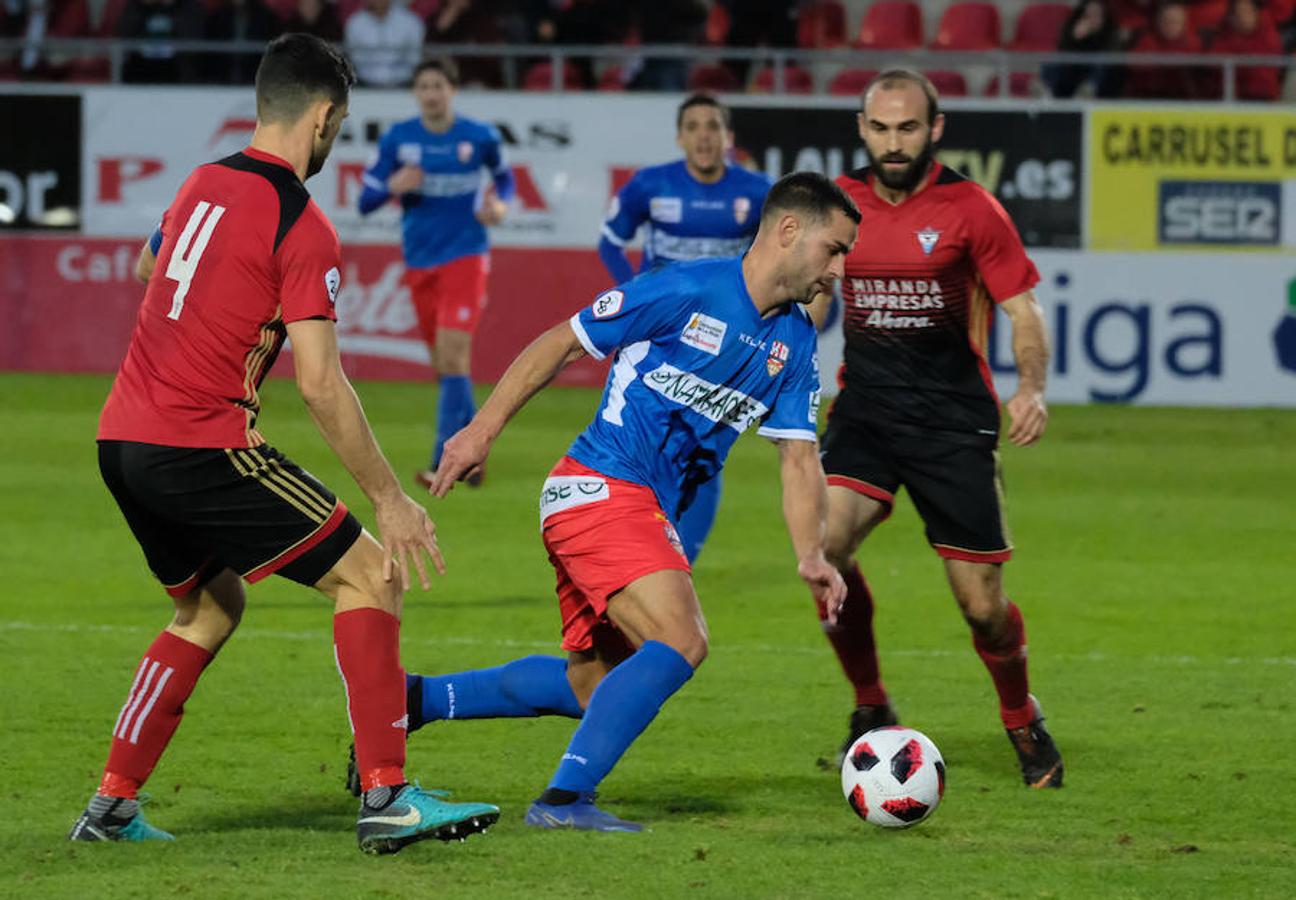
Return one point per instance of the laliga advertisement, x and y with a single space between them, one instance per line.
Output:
1189 179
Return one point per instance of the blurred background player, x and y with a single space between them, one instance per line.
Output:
249 260
918 407
694 208
434 165
703 350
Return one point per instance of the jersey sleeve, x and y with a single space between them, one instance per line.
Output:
628 211
310 261
496 160
998 253
374 188
795 414
639 310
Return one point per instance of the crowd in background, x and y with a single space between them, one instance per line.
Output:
386 38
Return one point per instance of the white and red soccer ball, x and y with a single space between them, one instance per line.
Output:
893 777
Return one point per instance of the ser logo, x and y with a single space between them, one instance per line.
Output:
1220 212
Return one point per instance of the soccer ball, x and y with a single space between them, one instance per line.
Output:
893 777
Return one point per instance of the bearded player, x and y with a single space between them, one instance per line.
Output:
918 408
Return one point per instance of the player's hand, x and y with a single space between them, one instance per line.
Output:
1029 417
825 584
462 454
492 210
407 179
407 533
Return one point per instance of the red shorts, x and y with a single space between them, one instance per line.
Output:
452 295
601 533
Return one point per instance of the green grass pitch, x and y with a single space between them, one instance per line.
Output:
1155 567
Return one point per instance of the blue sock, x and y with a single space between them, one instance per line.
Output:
530 686
455 409
623 704
695 524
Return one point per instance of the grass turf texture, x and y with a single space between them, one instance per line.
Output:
1154 568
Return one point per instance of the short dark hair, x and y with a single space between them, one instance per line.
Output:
443 64
893 78
808 192
295 70
701 100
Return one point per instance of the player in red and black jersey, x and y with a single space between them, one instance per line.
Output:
248 260
918 408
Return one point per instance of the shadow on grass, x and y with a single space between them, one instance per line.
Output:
278 811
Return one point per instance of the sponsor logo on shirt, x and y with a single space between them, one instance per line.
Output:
704 333
750 341
717 402
410 154
680 248
464 150
777 359
927 239
814 408
562 492
888 296
607 304
741 209
332 281
666 209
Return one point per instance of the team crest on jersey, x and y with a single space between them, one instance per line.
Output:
464 151
607 304
741 209
332 281
927 239
777 358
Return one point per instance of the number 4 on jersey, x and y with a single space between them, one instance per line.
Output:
189 250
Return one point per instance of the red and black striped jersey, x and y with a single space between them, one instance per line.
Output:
245 251
918 293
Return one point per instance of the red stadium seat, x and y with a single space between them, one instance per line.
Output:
112 12
948 83
424 8
1020 84
717 26
891 25
968 26
1039 26
796 80
540 77
347 8
822 24
851 82
612 79
713 78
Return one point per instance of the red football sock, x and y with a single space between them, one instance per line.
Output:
852 638
1004 655
163 682
367 645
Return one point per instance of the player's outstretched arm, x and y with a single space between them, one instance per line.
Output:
534 367
1026 408
404 527
805 509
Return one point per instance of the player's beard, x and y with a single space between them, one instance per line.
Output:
911 175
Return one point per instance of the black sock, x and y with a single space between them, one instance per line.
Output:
381 797
559 797
414 704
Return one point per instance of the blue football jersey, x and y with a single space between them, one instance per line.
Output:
685 218
695 366
439 223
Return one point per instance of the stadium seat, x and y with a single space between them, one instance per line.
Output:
968 26
796 80
851 82
821 24
1020 84
347 8
717 25
612 79
891 25
1039 26
540 77
713 78
948 83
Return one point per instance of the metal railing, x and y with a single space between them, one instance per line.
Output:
514 57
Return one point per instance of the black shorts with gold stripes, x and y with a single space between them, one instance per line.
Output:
195 511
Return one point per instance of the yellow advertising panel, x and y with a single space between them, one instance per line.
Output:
1187 179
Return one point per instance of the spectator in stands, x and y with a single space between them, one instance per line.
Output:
1247 32
666 22
470 22
591 22
1092 28
1170 34
238 20
316 17
384 41
759 23
160 22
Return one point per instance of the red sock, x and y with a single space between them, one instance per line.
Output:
163 682
1004 655
852 638
367 645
